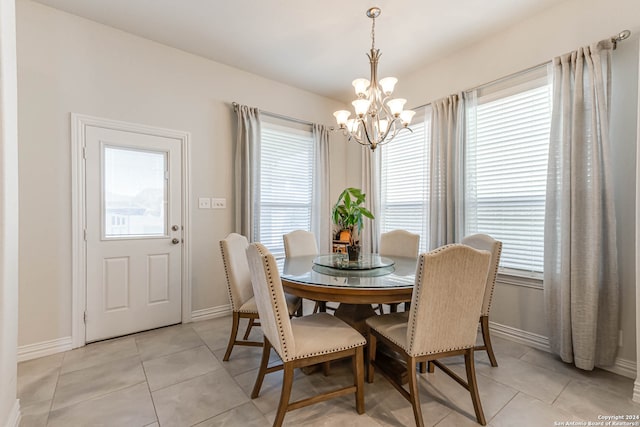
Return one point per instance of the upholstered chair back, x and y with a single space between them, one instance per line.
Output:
484 242
399 243
299 243
446 299
272 306
234 258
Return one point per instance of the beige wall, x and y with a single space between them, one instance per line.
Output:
555 31
8 216
69 64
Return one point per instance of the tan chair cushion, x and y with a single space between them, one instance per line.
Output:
392 326
251 306
322 333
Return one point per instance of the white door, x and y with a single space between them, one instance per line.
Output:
134 232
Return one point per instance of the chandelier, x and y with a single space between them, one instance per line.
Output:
378 118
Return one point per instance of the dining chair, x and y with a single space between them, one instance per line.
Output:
399 243
303 243
441 322
487 243
299 243
243 304
301 341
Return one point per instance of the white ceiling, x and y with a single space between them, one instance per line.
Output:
317 46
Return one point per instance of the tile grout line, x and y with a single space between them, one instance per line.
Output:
562 391
55 389
144 371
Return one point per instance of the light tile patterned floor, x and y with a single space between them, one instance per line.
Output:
175 376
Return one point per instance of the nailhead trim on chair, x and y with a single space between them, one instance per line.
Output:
226 272
495 276
335 350
265 261
417 289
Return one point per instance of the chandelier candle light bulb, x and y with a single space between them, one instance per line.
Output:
378 118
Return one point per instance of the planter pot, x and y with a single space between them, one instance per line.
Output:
354 252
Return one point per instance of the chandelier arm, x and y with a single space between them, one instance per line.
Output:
366 133
395 133
354 138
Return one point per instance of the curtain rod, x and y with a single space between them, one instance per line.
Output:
622 35
277 116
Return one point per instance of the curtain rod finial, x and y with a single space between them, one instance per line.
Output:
623 35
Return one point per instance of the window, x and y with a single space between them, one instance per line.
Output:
404 181
285 183
135 192
506 169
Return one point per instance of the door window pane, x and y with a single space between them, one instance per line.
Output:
135 192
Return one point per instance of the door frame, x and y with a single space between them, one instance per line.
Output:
79 123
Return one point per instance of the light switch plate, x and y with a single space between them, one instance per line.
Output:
218 203
204 203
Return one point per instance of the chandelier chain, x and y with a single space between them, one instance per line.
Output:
373 33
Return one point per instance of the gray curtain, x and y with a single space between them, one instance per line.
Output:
580 259
371 187
445 176
321 209
247 160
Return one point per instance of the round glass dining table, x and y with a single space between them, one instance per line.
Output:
355 285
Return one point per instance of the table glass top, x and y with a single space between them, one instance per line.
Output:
399 274
364 262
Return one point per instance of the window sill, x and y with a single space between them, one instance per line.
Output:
525 280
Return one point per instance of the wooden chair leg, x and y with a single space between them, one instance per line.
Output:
473 386
372 356
287 384
393 307
413 391
484 326
232 338
423 367
248 331
266 350
358 378
431 368
326 368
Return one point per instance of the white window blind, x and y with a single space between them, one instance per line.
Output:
506 171
404 181
285 183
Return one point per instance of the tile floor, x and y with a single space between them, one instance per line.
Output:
175 376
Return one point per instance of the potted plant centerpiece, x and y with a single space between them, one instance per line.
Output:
347 215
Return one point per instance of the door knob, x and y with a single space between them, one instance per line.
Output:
175 227
175 241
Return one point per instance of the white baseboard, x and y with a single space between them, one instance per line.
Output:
13 420
626 368
45 348
210 313
518 335
59 345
